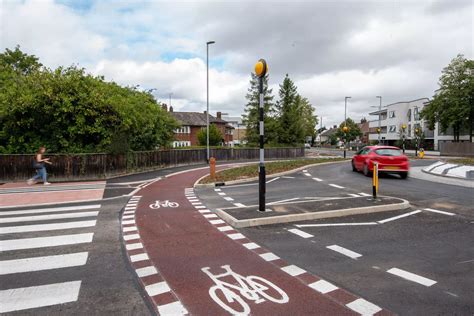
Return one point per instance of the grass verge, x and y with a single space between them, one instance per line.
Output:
462 161
273 167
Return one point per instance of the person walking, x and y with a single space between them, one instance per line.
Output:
39 164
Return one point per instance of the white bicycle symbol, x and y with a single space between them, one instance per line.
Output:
252 288
165 203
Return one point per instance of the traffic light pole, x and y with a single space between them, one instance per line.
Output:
260 71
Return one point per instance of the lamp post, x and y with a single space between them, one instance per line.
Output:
261 70
170 94
380 109
207 100
345 129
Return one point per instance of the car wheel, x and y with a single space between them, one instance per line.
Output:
366 170
353 166
403 175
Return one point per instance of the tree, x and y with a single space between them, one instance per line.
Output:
353 131
453 104
251 116
19 62
215 136
289 107
310 120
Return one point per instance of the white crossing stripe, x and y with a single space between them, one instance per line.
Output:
317 179
196 203
398 217
439 212
128 216
364 194
345 251
175 308
269 256
46 227
216 221
128 222
204 211
251 245
239 204
46 217
221 193
139 257
411 277
157 288
363 307
300 233
52 210
129 229
323 286
43 263
131 237
210 215
227 198
199 206
293 270
224 228
193 200
134 246
38 296
41 242
146 271
336 186
236 236
132 209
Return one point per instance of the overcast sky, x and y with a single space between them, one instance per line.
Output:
331 49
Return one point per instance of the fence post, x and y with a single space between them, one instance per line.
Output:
375 180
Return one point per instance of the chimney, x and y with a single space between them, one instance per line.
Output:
164 107
171 109
219 115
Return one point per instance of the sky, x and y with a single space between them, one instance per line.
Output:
330 49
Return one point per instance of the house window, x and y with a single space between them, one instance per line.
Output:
183 130
391 114
393 129
416 115
409 130
409 115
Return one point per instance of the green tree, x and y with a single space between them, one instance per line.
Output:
453 104
215 136
19 62
353 131
251 116
289 110
310 120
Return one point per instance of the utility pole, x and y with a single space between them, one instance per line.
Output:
380 109
261 70
207 100
345 129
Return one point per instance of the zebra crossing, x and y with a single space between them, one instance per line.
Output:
39 241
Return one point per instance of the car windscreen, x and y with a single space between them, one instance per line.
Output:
388 152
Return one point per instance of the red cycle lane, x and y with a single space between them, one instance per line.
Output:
189 253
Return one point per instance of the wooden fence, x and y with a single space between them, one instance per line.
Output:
101 166
461 149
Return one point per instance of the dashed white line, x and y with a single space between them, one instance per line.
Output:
411 277
336 224
323 286
134 246
336 186
225 228
353 195
398 217
269 256
439 212
293 270
210 215
129 229
217 221
239 204
344 251
175 308
139 257
251 245
43 263
131 237
317 179
300 233
157 288
364 194
217 190
227 198
199 206
363 307
274 179
128 222
236 236
221 193
204 211
146 271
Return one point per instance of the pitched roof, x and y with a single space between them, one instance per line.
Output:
329 132
195 118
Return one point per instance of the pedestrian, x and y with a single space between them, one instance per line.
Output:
39 164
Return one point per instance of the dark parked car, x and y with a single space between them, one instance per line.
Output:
390 160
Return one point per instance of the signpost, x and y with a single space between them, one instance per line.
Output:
261 70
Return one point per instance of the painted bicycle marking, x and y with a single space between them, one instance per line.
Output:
252 288
165 203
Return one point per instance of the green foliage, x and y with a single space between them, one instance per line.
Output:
290 121
309 119
453 105
353 132
67 110
215 136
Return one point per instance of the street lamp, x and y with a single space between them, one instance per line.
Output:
207 89
345 129
380 109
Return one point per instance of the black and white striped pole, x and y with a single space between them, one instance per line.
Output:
261 70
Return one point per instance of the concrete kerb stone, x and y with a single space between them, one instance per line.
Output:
310 216
279 174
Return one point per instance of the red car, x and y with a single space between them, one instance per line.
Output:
389 158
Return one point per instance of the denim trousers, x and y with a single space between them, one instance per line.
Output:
41 174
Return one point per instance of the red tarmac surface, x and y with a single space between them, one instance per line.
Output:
180 242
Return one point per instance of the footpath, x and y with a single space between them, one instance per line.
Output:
189 261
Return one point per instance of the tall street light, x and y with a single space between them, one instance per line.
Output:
345 128
380 109
170 94
207 89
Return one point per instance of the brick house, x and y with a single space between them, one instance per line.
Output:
364 128
193 122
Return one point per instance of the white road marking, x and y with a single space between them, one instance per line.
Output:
217 221
221 193
47 217
293 270
41 242
317 179
305 170
269 256
43 263
251 245
363 307
300 233
129 229
199 206
196 203
364 194
131 237
323 286
227 198
130 208
439 212
128 216
46 227
193 200
134 246
411 277
157 288
281 201
129 212
398 217
287 177
175 308
236 236
274 179
210 215
38 296
146 271
217 190
139 257
204 211
353 195
344 251
336 224
52 209
128 222
336 186
307 174
225 228
239 204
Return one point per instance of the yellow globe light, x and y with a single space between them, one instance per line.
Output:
404 126
345 129
261 68
378 130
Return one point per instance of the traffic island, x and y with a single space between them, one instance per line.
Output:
240 217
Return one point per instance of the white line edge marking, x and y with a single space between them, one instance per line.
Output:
251 245
175 308
146 271
239 204
293 270
439 212
157 288
345 251
398 217
300 233
323 286
336 224
412 277
336 186
363 307
317 179
268 256
274 179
